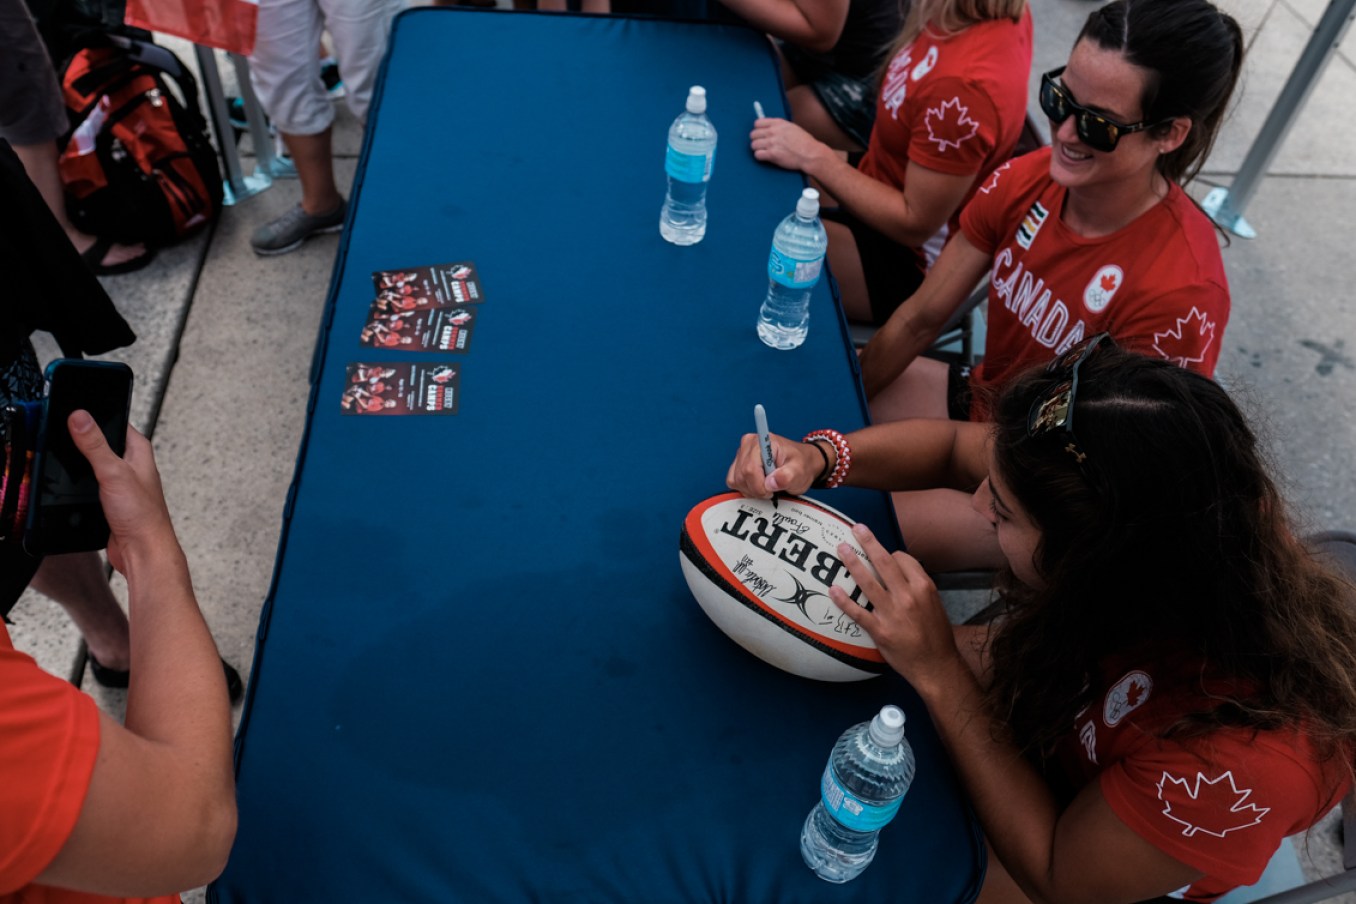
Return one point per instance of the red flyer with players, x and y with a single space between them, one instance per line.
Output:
396 389
433 329
416 288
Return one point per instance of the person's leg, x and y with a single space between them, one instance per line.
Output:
789 77
313 157
33 115
920 391
40 162
846 264
358 31
285 72
809 112
999 886
943 532
78 583
941 527
875 273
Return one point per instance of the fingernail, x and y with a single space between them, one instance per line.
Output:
80 421
861 530
845 550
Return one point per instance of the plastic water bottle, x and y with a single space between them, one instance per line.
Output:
691 155
868 772
793 268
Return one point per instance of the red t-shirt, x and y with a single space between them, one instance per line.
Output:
1157 285
49 739
1221 803
955 105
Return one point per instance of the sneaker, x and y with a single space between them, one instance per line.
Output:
235 112
329 74
288 231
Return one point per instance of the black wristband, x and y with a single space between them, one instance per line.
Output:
828 466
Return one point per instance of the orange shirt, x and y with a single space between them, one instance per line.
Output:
49 739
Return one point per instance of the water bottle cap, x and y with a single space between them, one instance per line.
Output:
887 729
808 205
696 100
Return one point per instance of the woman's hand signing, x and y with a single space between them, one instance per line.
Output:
798 464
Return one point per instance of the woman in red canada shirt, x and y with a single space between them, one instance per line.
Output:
951 108
1170 691
1092 234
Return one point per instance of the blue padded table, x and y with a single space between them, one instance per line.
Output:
480 675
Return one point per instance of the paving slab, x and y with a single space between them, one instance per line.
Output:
1290 348
233 416
1320 139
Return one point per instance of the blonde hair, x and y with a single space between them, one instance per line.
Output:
948 18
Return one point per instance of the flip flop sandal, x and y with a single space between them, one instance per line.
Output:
93 257
118 678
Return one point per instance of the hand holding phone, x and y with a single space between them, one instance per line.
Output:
64 513
132 498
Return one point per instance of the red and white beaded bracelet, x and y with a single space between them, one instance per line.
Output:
843 462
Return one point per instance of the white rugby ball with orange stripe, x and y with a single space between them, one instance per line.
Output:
762 574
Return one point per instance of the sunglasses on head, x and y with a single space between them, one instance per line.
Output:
1095 130
1054 409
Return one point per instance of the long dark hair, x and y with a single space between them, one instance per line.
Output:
1170 538
1193 53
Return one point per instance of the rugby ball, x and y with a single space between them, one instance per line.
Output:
762 574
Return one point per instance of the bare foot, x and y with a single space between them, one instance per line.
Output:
116 254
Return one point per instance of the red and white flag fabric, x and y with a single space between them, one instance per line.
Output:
223 24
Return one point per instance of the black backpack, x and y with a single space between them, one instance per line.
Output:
137 164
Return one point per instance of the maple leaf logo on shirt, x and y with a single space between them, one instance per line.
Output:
950 124
993 178
1125 696
1216 800
1187 342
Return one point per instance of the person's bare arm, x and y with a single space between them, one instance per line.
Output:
900 455
915 324
160 815
909 217
815 25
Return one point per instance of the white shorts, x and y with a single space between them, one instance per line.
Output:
285 65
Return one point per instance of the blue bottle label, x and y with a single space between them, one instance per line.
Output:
792 273
850 810
689 167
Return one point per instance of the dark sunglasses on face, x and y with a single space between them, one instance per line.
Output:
1054 408
1095 130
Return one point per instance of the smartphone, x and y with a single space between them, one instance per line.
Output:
64 513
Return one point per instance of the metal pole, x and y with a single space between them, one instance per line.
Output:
271 166
1226 205
221 124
